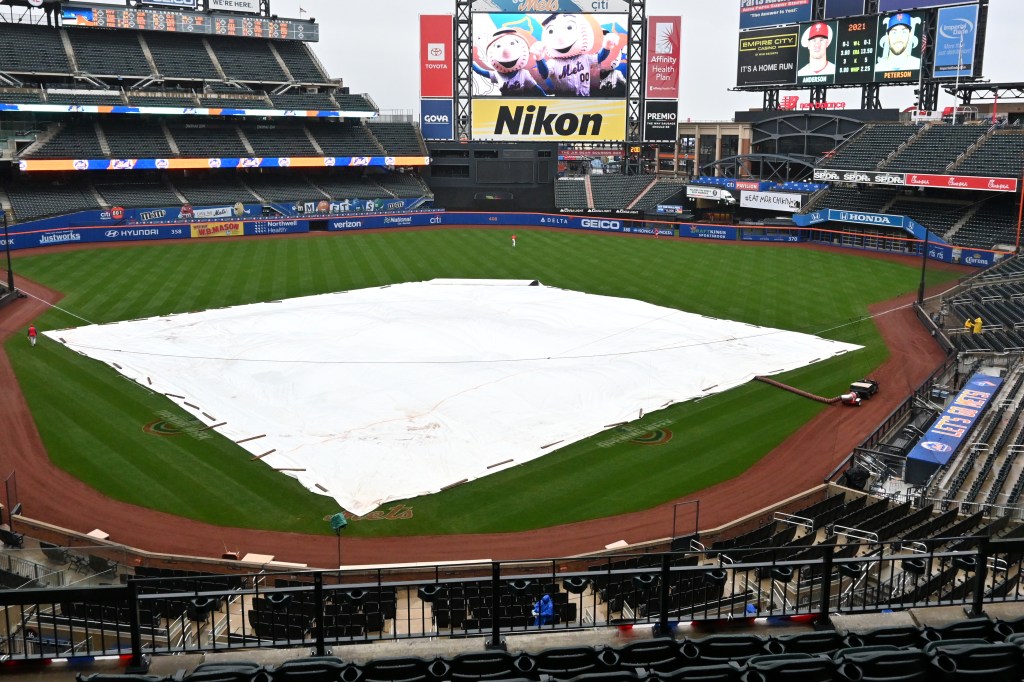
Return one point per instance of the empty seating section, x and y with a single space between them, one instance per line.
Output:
994 223
353 103
108 53
137 194
211 191
19 96
320 101
869 146
617 191
180 56
278 140
32 49
663 190
284 188
208 139
162 98
401 185
245 59
80 97
871 199
937 217
1001 155
935 148
37 201
250 101
350 187
74 140
300 62
343 139
398 139
571 193
128 139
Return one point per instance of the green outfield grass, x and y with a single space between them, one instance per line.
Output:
91 419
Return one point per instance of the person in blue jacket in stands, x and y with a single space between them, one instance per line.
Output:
543 611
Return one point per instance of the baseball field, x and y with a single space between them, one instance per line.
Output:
137 447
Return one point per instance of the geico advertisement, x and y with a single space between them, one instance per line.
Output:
564 120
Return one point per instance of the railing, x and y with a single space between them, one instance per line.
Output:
171 615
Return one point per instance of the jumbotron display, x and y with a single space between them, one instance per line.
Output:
173 21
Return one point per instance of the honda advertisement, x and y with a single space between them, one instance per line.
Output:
437 119
955 38
663 35
437 73
660 118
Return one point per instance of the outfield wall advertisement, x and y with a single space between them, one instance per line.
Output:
549 120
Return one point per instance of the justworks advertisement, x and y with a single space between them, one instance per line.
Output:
549 119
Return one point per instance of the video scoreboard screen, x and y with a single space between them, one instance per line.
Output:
173 21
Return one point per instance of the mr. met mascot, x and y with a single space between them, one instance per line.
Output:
508 55
570 52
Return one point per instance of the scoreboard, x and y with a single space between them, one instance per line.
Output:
855 55
173 21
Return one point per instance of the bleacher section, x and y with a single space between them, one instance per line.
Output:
397 139
617 191
663 190
128 140
36 200
213 190
317 100
207 139
995 222
274 187
83 97
571 193
26 49
869 199
935 148
74 140
109 53
339 139
244 59
870 146
937 217
1001 155
270 139
130 193
401 185
300 62
181 56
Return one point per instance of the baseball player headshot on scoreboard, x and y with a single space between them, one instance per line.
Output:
818 40
898 44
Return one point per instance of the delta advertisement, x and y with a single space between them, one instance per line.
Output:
955 39
549 120
773 201
437 75
37 165
437 119
550 55
182 111
663 36
761 13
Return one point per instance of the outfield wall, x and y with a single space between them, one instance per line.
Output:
153 225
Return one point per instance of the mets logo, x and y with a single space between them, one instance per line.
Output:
162 427
655 437
935 446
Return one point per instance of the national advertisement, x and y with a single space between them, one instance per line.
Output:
772 201
660 120
437 73
437 119
549 120
663 54
767 56
761 13
955 39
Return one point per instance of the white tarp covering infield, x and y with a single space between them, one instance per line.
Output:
382 394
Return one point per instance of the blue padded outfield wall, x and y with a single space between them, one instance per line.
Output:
248 219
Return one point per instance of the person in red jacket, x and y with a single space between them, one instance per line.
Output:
32 334
513 241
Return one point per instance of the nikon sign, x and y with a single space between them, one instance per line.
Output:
553 120
660 118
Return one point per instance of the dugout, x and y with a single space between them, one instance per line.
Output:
492 176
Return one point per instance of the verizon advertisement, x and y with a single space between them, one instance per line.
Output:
772 201
248 6
663 57
436 51
660 120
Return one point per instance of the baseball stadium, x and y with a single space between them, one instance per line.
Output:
547 380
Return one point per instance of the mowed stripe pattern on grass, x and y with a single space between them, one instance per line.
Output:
91 419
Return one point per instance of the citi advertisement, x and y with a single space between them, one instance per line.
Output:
437 74
549 120
663 36
955 39
660 119
767 56
437 119
760 13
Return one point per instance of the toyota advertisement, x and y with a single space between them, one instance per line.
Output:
437 73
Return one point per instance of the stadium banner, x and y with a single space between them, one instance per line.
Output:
52 237
968 182
949 431
437 119
437 73
871 177
861 218
262 227
733 183
572 6
549 120
660 117
663 54
955 39
326 207
35 165
510 219
767 56
717 232
837 9
698 192
181 4
247 6
656 230
204 230
761 13
773 201
554 55
182 111
117 216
